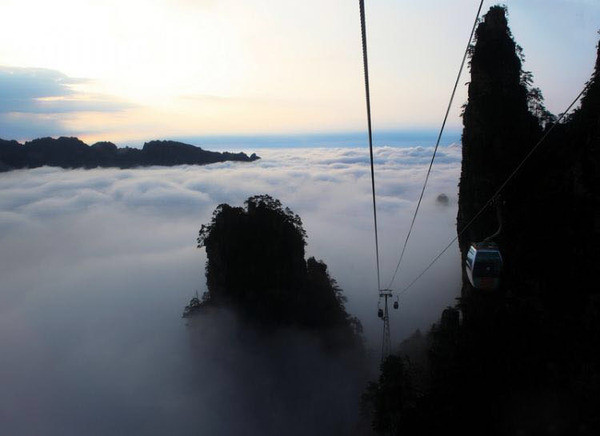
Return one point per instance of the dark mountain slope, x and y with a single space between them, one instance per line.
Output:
73 153
522 359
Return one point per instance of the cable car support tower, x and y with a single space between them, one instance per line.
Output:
385 294
386 346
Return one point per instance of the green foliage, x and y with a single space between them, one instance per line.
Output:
196 305
258 202
535 104
535 99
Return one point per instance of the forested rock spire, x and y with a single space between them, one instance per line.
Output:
498 126
256 265
521 359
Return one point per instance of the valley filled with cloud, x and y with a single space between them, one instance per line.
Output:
97 266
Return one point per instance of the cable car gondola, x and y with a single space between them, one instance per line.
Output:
484 265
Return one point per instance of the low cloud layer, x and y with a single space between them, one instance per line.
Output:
97 265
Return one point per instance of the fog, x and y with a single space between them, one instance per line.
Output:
97 265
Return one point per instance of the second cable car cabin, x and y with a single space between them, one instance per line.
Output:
484 265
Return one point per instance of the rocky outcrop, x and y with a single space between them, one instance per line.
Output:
498 131
519 341
521 359
256 266
549 238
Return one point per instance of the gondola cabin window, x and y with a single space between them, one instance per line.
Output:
483 265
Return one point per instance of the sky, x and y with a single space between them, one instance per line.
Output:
136 70
97 266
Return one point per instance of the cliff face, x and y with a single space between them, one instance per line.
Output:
522 336
498 132
522 359
73 153
549 210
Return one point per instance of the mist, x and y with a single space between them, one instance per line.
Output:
97 265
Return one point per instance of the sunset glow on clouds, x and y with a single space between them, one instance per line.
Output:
125 70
